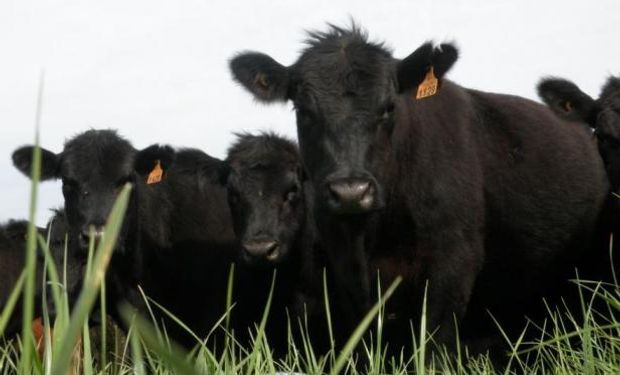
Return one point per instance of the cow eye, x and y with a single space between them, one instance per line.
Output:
387 111
69 185
291 194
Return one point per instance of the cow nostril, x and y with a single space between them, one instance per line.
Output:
368 197
273 251
84 237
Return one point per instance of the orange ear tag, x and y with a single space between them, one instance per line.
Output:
428 87
156 174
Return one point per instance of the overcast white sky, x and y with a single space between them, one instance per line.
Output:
157 70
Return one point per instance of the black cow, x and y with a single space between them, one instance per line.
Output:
483 200
13 260
271 202
602 115
176 231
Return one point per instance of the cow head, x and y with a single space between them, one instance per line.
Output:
93 167
344 90
602 115
264 182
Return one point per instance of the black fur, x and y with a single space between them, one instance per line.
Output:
145 159
13 260
262 75
603 116
268 202
481 195
22 159
566 99
175 234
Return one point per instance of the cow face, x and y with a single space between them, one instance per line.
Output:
602 115
93 167
264 183
344 91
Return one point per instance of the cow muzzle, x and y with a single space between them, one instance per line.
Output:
352 196
92 232
264 249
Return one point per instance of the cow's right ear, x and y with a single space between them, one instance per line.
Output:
50 162
264 77
147 159
566 99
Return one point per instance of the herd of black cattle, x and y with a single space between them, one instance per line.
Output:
483 203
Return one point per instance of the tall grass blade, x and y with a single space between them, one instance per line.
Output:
171 354
91 286
9 307
31 241
343 357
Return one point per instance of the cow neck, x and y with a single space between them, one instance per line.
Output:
345 243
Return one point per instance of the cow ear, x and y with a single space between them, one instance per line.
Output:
611 89
147 159
263 76
410 71
566 99
50 162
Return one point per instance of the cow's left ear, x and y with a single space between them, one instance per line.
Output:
411 70
147 159
50 162
566 99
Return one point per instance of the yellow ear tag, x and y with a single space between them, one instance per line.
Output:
156 174
428 87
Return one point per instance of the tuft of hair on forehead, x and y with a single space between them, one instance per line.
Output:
103 151
265 149
341 38
342 60
611 88
98 143
98 138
